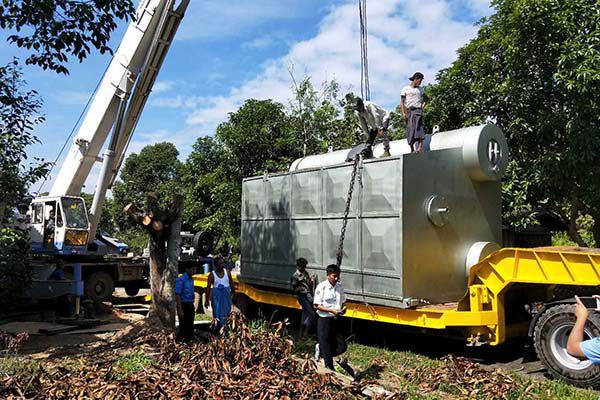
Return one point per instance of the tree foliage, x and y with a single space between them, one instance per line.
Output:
533 69
19 115
55 30
14 268
154 169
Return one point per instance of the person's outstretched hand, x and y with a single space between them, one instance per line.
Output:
581 310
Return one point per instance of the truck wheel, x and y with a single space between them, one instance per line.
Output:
132 289
203 243
99 286
550 339
245 305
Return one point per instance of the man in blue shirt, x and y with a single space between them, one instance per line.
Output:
184 294
576 346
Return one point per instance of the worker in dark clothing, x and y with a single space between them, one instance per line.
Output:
49 228
184 294
413 101
374 121
329 302
303 285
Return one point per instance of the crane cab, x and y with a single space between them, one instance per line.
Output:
59 225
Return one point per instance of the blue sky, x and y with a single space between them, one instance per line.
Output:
228 51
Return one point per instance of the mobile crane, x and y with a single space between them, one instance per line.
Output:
61 229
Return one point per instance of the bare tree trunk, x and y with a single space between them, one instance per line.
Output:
164 229
573 215
2 208
161 282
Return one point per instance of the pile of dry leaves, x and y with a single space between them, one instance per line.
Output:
237 365
466 377
9 344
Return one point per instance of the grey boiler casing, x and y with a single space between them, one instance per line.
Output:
411 224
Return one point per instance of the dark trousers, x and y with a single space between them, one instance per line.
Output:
186 324
308 310
326 333
373 135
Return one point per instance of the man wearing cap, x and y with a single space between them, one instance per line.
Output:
374 120
413 101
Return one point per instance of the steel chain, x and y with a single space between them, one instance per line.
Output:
340 248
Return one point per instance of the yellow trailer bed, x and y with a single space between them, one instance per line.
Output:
482 310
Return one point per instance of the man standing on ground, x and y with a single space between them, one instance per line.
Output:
219 291
302 285
374 120
413 101
329 302
184 294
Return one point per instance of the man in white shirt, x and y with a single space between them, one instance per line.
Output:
413 101
374 120
329 301
21 220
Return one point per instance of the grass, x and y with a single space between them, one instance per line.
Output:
128 364
16 365
202 317
408 372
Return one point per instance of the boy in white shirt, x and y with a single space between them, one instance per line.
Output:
329 301
413 101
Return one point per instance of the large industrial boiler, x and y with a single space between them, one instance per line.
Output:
417 221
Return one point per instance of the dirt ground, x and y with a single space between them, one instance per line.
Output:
370 341
115 316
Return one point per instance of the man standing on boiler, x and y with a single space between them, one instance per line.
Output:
413 101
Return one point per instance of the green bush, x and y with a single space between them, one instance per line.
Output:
14 265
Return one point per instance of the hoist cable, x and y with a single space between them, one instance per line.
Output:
364 59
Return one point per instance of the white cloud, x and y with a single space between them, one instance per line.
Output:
404 37
260 42
179 101
162 87
181 140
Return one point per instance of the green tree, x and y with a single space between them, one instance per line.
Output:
106 223
155 169
14 267
533 69
55 30
202 172
19 115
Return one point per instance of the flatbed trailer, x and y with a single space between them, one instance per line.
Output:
488 313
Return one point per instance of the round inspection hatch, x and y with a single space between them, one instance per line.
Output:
437 210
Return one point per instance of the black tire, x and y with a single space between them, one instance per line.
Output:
245 305
203 243
132 289
99 286
550 340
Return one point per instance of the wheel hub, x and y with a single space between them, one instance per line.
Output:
558 346
99 288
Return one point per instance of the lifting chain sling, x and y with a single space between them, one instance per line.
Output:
355 168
